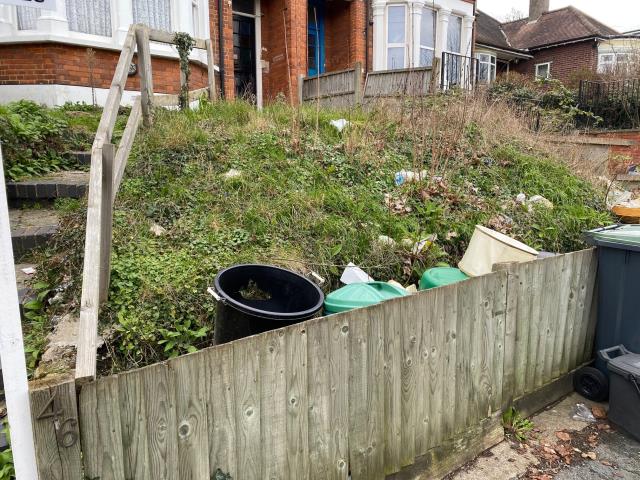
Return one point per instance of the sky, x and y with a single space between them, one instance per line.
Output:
622 15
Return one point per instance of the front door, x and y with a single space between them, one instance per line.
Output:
315 37
244 56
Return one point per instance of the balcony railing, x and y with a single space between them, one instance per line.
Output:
458 71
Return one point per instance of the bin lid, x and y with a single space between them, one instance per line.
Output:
357 295
441 276
626 365
616 236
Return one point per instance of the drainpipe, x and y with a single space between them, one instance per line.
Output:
221 45
366 36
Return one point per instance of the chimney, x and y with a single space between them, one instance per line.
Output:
537 8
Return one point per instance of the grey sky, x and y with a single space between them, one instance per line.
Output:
623 15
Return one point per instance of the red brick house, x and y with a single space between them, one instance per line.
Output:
565 44
261 47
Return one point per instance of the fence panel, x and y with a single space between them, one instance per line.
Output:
367 392
334 89
398 83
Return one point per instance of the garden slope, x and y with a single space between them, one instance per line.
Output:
307 197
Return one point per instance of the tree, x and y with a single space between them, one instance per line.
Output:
514 14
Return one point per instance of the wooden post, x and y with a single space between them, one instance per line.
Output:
435 69
56 431
146 73
211 71
300 89
358 83
106 218
14 374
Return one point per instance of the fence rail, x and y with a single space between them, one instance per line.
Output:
398 83
367 393
107 169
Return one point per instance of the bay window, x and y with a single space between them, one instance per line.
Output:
454 34
486 68
427 37
396 36
153 13
90 16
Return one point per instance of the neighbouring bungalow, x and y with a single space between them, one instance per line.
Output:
565 44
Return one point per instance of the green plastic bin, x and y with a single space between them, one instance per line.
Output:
441 276
358 295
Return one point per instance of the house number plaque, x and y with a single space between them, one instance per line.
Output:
66 428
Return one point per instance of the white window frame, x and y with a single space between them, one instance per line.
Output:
492 65
604 66
404 45
423 46
538 66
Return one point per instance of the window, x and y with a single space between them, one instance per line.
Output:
90 16
486 68
153 13
27 18
396 37
427 37
454 34
616 62
543 71
606 62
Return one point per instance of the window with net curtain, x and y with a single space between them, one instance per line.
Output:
90 16
427 36
153 13
454 34
396 36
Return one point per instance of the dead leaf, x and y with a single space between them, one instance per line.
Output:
605 463
564 436
599 412
549 450
591 455
603 426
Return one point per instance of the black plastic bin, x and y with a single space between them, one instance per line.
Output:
258 298
618 302
624 398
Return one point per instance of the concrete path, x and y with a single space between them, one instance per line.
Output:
580 451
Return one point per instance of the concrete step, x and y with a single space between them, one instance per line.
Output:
81 158
70 184
31 228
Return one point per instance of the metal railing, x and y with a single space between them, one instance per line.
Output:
617 102
458 71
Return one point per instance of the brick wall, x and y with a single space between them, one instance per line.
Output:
57 64
621 157
567 61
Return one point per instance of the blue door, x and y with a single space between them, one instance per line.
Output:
315 37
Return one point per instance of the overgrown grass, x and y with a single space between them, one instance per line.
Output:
36 139
308 199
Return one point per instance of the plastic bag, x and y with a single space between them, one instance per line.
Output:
582 413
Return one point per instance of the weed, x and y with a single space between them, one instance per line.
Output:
7 470
515 425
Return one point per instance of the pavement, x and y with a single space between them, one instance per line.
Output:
560 448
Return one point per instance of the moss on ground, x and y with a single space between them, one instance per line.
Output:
308 198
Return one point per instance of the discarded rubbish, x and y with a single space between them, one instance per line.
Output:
633 170
385 240
488 247
521 199
317 278
419 246
339 124
582 413
157 230
397 205
409 176
395 284
411 289
28 270
360 295
354 274
233 173
441 276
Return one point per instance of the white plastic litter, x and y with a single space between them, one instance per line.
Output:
339 124
157 230
233 173
395 284
354 274
540 200
582 413
28 270
409 176
385 240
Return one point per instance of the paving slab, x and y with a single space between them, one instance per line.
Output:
31 228
66 184
616 454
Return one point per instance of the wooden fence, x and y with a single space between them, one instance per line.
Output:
348 88
107 169
414 386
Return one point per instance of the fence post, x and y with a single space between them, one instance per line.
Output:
211 71
435 68
358 80
56 434
146 74
106 218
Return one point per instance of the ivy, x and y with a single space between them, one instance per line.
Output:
184 43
